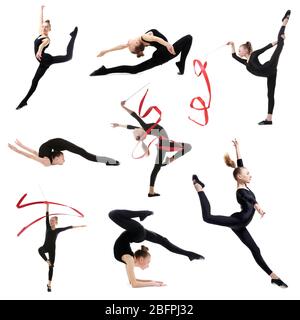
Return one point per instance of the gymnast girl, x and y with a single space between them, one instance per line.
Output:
164 145
50 153
249 58
135 232
238 221
41 43
164 52
49 245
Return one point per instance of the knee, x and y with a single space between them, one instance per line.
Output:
255 251
189 38
113 214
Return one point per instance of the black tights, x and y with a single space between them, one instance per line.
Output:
186 147
45 63
237 225
160 56
124 219
51 253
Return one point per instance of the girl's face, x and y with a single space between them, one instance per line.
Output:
45 28
53 222
60 160
244 176
243 52
143 263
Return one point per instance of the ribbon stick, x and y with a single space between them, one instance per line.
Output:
20 205
198 99
146 85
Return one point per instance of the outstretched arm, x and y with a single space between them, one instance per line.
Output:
47 217
116 48
41 17
136 283
20 144
238 153
126 126
82 226
44 161
151 38
135 116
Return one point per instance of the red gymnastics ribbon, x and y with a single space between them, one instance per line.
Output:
148 111
20 206
203 107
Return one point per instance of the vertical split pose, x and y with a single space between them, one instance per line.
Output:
268 69
164 52
164 145
135 232
41 43
50 243
239 220
50 153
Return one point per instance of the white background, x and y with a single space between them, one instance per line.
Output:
70 104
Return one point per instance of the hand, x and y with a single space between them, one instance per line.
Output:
12 147
39 56
236 143
115 125
101 53
42 7
159 284
17 142
171 49
123 103
230 43
259 210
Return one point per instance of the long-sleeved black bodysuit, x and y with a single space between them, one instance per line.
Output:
135 232
49 245
160 56
58 144
237 221
268 69
163 144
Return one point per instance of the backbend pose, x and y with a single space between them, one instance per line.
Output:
268 69
135 232
50 240
50 153
164 52
41 43
239 220
164 145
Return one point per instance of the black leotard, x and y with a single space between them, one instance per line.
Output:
160 56
155 44
49 245
136 233
46 61
160 132
237 221
48 148
267 69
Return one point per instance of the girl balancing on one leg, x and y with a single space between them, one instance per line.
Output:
239 220
50 153
267 69
41 43
135 232
50 243
164 52
164 145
